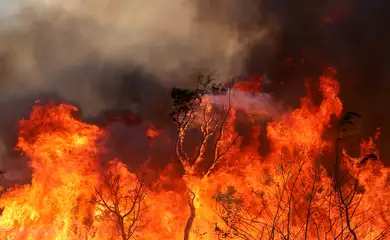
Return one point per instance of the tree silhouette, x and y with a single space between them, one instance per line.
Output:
190 111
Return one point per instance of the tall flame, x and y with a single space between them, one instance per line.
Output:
62 154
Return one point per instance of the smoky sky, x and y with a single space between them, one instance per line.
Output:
128 54
351 36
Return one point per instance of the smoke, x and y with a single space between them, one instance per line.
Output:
119 54
260 106
73 48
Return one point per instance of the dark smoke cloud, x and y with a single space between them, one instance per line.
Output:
80 49
108 54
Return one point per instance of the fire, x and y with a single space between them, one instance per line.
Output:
62 154
227 191
253 85
152 133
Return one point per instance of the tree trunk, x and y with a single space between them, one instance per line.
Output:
122 228
191 218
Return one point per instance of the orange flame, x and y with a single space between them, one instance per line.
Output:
238 194
253 85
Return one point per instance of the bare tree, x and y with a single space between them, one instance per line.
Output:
191 111
122 206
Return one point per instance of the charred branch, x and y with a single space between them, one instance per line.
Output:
122 207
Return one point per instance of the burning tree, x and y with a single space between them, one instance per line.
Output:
193 111
120 200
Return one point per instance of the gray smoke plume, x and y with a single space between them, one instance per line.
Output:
260 106
73 48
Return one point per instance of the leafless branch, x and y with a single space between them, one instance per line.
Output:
122 207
